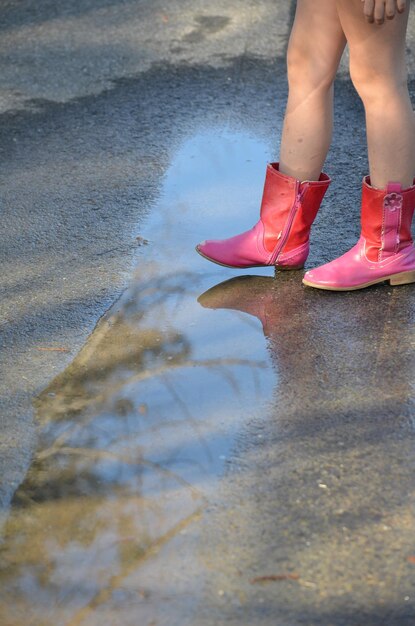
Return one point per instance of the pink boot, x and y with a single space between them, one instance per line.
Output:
280 238
385 249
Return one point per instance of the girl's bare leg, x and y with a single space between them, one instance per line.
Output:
378 71
316 44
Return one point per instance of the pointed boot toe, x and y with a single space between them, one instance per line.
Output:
241 251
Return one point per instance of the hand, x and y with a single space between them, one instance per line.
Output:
377 10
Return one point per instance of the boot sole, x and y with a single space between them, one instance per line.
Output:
235 267
404 278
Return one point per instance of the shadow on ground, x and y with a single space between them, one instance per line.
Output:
182 458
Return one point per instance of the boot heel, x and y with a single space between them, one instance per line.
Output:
405 278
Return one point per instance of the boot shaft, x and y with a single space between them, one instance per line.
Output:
282 194
386 219
280 237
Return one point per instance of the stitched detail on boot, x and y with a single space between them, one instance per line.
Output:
286 256
391 222
382 232
398 234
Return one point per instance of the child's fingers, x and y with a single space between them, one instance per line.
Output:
390 9
401 5
369 9
379 12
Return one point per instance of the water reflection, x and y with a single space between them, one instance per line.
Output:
181 452
135 433
335 465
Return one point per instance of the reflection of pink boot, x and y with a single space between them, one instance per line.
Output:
275 303
281 237
249 294
385 249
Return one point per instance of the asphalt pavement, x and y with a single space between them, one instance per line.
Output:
94 97
117 117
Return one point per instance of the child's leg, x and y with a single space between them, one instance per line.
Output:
378 71
315 48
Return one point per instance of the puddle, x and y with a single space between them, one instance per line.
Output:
135 434
216 428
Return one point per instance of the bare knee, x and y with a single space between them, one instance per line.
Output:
308 71
376 83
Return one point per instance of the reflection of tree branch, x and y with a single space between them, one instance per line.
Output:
104 396
257 384
230 378
107 454
188 414
115 581
156 290
163 423
159 371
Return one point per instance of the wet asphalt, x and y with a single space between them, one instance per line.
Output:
95 97
219 449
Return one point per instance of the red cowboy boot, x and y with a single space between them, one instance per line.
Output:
281 237
385 250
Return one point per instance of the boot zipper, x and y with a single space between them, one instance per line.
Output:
284 234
